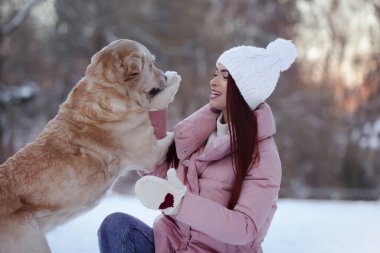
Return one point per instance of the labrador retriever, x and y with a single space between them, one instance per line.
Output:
100 131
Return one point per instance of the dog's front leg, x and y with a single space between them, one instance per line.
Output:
20 233
157 154
163 145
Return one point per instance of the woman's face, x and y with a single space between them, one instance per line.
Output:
218 97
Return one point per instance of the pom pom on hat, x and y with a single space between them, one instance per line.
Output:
256 70
285 50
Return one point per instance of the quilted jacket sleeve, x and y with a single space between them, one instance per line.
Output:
158 121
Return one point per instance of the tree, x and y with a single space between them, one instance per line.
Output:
9 23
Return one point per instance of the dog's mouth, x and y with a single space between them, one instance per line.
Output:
153 92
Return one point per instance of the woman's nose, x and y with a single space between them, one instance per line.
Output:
213 82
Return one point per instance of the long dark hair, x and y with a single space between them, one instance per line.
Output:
244 139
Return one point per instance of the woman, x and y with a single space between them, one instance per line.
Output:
223 193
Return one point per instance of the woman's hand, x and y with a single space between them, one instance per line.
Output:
160 194
166 96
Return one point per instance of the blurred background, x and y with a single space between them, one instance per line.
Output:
326 106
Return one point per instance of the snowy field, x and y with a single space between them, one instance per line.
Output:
299 226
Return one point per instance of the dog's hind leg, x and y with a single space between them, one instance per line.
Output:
20 233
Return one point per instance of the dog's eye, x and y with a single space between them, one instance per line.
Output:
132 76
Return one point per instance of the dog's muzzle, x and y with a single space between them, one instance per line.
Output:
153 92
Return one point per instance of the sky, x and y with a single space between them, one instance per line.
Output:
299 226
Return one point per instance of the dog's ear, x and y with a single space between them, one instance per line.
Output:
132 67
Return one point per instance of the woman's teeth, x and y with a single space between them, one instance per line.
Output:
215 94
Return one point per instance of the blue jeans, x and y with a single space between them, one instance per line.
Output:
123 233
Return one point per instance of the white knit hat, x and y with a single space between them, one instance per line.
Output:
256 70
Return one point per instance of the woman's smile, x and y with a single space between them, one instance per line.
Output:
215 94
218 85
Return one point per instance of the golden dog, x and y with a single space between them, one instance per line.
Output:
101 130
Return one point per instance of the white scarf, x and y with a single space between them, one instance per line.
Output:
221 129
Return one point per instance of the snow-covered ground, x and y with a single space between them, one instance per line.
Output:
299 226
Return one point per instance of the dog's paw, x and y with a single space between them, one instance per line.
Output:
167 140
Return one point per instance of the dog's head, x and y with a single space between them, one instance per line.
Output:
127 67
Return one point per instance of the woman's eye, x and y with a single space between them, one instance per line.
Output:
214 74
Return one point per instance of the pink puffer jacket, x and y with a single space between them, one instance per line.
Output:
203 223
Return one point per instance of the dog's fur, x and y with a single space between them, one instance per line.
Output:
101 129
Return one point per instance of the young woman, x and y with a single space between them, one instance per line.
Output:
222 194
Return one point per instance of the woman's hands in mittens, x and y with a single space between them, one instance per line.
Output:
166 96
160 194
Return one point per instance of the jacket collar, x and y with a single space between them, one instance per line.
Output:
192 133
266 123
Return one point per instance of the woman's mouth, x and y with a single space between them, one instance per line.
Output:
214 94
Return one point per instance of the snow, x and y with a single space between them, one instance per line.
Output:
299 226
18 94
368 135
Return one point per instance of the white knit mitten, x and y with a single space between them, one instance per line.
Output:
160 194
166 96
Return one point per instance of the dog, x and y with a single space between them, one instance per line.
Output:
102 130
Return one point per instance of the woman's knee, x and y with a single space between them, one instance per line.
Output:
120 230
113 223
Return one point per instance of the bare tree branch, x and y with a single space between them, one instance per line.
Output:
19 18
